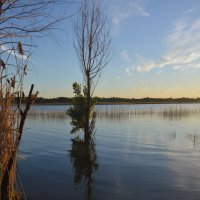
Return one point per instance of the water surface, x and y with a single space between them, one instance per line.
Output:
142 152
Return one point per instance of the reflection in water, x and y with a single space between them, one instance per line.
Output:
84 160
195 139
172 136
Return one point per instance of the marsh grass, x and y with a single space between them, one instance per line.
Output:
165 113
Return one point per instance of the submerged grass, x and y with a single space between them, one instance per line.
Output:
194 137
45 115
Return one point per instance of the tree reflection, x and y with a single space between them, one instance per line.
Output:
84 160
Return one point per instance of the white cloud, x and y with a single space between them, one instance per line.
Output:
121 10
129 70
183 48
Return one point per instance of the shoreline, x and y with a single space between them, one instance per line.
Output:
117 103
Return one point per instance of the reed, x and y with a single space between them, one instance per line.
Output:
12 119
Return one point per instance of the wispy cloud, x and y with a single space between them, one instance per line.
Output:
190 10
183 48
121 10
117 77
127 70
125 56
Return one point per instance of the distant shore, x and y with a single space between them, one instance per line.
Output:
118 101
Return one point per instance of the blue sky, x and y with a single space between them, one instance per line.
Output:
155 47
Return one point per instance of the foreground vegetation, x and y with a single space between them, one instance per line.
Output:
21 22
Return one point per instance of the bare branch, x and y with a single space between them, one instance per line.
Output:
92 40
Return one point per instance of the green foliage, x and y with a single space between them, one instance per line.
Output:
77 111
77 89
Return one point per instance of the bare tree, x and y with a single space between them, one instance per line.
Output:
92 44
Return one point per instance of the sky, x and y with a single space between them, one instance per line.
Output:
155 53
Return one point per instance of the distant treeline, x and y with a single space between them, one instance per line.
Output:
118 100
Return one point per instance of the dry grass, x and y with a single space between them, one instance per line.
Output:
16 196
7 127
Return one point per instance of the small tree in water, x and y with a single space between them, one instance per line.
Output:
92 42
83 153
78 109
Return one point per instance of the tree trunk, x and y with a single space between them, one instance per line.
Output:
8 178
87 133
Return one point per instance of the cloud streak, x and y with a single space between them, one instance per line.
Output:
121 10
183 48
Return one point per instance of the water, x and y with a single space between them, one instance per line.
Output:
140 155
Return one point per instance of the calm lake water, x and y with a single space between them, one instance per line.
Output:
141 152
